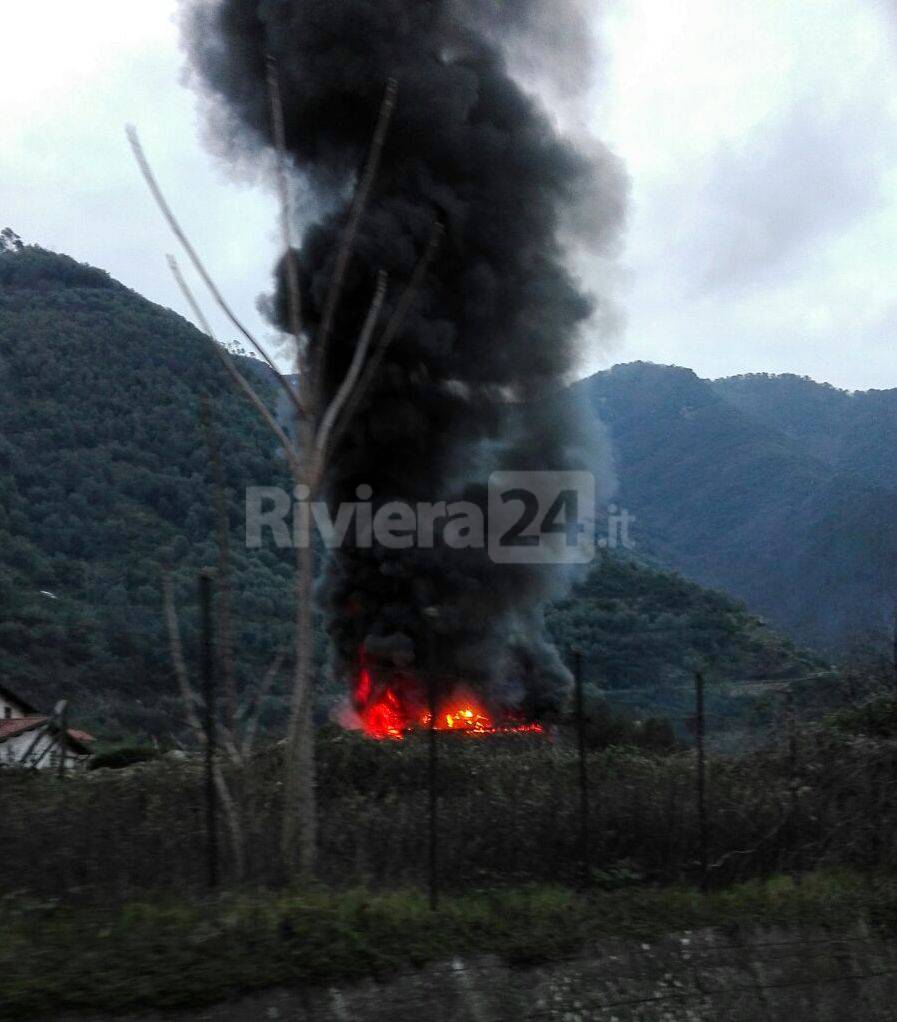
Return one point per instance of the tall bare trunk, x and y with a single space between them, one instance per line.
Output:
309 454
232 812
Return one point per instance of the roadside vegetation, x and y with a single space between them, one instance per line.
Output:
166 953
509 814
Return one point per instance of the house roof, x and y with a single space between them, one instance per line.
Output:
13 726
80 736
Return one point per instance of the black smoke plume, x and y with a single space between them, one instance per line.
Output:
468 386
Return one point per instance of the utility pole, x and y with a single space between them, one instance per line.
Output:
432 613
433 780
702 775
584 852
791 831
895 648
208 687
792 748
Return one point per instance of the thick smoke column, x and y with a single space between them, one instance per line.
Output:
466 388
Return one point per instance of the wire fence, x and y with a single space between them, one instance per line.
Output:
509 809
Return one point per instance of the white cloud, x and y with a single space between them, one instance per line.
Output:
69 181
758 135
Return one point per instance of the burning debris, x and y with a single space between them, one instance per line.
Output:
398 703
469 386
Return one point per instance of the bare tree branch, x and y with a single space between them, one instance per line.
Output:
188 696
308 454
347 241
189 699
397 320
232 816
242 383
166 211
354 371
255 716
47 748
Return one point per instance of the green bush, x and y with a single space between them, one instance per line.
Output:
122 756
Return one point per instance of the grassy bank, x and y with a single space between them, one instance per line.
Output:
167 954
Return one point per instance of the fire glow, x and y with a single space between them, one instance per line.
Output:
393 709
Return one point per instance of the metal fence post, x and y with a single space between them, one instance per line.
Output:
208 687
702 776
584 848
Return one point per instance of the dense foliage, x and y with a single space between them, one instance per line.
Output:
105 480
777 490
849 432
509 812
643 633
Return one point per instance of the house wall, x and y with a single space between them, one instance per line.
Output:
14 749
9 709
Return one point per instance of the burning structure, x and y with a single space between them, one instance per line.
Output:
397 702
470 385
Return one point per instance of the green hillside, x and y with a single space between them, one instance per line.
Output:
639 627
106 479
643 633
848 432
739 502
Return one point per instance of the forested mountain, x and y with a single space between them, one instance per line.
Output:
637 626
105 480
643 633
772 489
849 432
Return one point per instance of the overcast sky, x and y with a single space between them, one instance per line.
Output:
760 136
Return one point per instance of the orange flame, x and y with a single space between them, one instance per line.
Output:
382 716
393 710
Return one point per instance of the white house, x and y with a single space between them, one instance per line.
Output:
29 738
